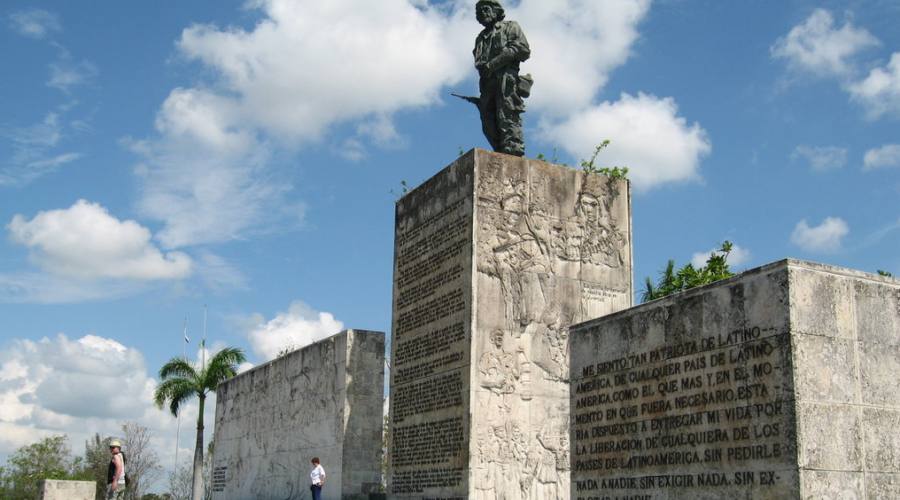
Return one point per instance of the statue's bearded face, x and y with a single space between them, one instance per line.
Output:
486 14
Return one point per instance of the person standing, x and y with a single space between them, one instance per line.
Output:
317 479
115 473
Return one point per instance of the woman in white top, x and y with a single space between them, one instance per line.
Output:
317 479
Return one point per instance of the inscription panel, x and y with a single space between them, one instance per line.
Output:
495 257
690 397
432 304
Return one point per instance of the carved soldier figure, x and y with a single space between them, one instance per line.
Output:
499 49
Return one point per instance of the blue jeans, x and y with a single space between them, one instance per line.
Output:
316 491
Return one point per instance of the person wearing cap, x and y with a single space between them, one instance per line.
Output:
115 473
316 478
499 50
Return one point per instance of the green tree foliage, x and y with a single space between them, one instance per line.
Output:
96 461
49 458
180 381
885 274
674 281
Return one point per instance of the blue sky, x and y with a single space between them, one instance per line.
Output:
158 157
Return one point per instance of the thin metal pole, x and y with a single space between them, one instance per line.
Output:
184 343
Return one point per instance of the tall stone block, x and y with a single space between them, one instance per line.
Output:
780 383
324 400
495 257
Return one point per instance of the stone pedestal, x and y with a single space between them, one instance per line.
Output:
780 383
325 400
52 489
495 257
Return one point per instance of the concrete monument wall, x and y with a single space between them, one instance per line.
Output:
324 400
495 257
52 489
780 383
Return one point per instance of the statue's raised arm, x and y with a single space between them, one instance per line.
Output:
499 50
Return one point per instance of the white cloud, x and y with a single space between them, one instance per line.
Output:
576 44
218 274
826 237
34 23
60 384
879 93
297 73
34 151
309 64
205 176
883 157
647 136
822 158
85 242
817 46
42 288
65 74
84 386
296 328
738 257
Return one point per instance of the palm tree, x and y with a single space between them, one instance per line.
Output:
180 381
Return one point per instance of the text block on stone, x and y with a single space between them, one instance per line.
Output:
495 257
748 388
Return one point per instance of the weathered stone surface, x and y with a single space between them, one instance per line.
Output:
323 400
767 385
52 489
495 257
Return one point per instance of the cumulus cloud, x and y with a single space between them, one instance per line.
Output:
34 23
296 328
819 47
310 64
60 384
85 242
79 387
826 237
821 158
648 136
738 257
297 73
884 157
879 93
576 46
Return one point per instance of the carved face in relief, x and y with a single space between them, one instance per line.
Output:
513 205
588 207
497 339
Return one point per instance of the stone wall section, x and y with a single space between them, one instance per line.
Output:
323 400
779 383
846 342
495 257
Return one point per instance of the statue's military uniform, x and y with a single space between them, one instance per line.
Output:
498 52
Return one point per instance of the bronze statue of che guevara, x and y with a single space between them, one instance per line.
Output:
499 50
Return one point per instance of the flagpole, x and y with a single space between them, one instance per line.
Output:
178 428
203 343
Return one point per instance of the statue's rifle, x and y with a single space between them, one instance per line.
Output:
474 100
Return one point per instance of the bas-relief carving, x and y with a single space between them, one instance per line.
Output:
536 238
